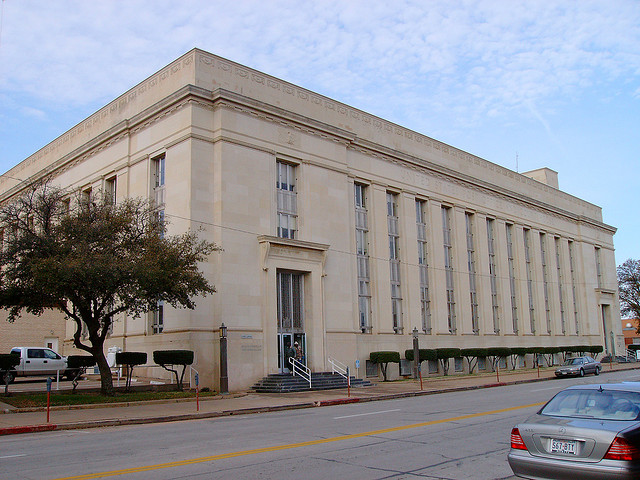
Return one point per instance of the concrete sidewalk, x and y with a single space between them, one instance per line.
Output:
14 421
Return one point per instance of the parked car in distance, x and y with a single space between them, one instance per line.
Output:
39 361
584 432
579 366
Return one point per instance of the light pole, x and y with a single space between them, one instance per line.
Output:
224 379
416 353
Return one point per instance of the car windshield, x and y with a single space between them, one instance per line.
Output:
598 404
574 361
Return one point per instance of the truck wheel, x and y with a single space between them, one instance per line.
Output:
8 377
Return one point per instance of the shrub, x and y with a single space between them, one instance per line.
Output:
444 354
472 355
76 366
496 353
424 354
130 359
383 359
8 362
517 352
170 358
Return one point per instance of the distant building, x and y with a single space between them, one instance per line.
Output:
630 331
340 230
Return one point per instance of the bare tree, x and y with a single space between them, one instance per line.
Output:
629 288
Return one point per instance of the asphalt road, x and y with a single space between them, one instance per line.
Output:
462 435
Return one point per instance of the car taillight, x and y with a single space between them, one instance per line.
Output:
620 449
516 440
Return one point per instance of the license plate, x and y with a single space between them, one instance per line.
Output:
564 446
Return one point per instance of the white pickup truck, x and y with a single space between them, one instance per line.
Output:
39 361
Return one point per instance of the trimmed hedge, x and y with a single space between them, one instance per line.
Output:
8 361
444 354
173 357
131 358
634 347
383 359
498 352
166 358
472 355
424 354
80 361
77 366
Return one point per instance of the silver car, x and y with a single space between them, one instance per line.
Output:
584 432
579 366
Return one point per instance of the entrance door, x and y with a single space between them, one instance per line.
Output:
290 317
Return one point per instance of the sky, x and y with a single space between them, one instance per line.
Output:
523 84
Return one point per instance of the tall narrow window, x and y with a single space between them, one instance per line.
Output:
529 265
423 265
599 266
545 279
572 269
560 284
512 278
394 261
471 266
110 187
362 256
157 174
86 196
448 268
287 200
493 276
157 318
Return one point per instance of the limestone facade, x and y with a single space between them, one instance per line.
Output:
339 229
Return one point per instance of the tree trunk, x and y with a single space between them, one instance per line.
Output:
106 382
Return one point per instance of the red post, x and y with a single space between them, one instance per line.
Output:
348 383
420 373
498 371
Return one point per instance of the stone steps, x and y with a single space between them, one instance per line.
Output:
282 382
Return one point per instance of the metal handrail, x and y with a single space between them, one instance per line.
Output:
339 368
299 368
632 355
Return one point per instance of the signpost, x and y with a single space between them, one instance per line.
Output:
49 381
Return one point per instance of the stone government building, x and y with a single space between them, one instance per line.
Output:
340 230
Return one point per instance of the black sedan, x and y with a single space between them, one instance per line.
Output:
584 432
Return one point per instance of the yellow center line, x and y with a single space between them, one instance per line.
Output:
309 443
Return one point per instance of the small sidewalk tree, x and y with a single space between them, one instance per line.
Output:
172 358
79 364
444 354
383 359
472 355
8 362
130 359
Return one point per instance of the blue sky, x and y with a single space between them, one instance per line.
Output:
524 84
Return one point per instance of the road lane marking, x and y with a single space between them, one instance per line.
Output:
369 413
222 456
13 456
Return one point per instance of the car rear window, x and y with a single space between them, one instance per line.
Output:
598 404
